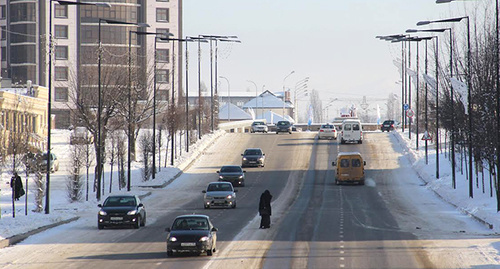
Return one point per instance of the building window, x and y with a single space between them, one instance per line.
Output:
61 52
61 94
162 55
162 76
4 32
162 14
61 73
162 0
163 33
61 31
3 12
162 95
61 11
4 54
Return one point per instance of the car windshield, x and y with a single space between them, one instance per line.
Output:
219 187
120 201
327 126
258 123
228 169
388 122
283 123
190 224
253 152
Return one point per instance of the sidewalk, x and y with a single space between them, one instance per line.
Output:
482 207
14 230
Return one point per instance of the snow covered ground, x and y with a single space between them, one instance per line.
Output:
60 207
482 205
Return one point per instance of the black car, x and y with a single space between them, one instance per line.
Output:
121 210
233 174
388 126
191 233
253 157
283 126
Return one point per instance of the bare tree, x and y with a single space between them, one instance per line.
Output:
146 147
75 183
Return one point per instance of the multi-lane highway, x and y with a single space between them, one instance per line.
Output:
315 223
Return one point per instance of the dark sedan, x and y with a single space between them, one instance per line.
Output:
121 210
233 174
253 157
191 233
283 126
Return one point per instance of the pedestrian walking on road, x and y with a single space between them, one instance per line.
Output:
265 209
17 186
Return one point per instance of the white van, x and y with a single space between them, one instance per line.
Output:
351 131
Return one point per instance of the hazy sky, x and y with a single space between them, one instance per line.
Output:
331 41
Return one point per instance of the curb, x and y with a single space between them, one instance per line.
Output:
184 166
412 159
20 237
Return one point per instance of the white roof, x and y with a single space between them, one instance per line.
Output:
234 113
266 100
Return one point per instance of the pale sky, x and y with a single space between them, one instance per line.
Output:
330 41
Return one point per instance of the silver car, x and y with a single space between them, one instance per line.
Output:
219 194
259 126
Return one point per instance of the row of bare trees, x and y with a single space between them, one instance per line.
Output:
453 114
121 83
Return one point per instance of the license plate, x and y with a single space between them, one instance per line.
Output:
116 218
252 162
188 244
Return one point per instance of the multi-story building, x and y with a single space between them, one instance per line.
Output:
24 44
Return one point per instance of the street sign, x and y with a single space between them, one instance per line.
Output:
406 106
410 113
426 136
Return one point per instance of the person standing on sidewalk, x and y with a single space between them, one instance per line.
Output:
265 209
17 186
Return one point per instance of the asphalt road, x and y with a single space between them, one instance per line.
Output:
81 245
315 223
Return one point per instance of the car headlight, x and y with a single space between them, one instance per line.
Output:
244 158
172 239
204 239
102 213
261 158
133 212
221 177
240 177
229 196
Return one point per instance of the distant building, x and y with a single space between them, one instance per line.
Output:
24 43
24 110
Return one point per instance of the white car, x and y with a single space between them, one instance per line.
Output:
259 126
219 194
327 131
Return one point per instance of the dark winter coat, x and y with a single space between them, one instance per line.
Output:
17 186
265 203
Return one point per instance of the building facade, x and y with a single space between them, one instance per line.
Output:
24 44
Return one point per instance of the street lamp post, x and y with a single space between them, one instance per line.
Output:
301 85
469 88
284 93
49 97
229 98
173 86
256 96
453 164
99 105
222 39
187 87
130 102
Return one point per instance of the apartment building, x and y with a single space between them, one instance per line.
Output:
24 44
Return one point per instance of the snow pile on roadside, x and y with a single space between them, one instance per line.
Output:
482 206
60 208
